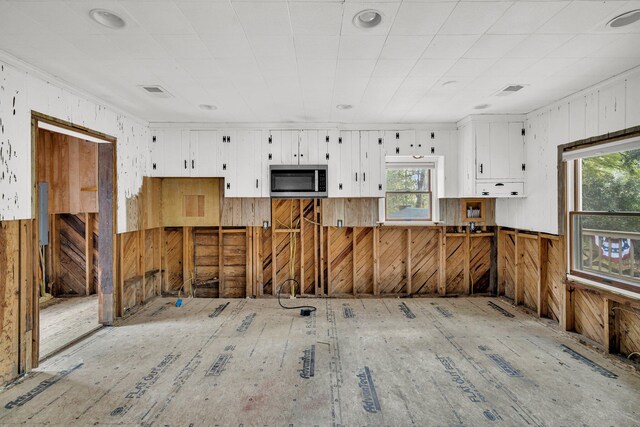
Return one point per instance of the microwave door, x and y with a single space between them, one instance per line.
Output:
293 181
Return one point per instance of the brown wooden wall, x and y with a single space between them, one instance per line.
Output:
531 272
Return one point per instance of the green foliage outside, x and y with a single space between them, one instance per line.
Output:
404 198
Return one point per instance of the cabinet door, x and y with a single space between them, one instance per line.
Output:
482 135
286 143
348 142
334 186
204 154
308 149
247 165
424 145
499 151
516 150
372 164
228 148
269 149
449 143
156 154
404 142
175 147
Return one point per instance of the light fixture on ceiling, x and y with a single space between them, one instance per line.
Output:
107 18
344 106
450 83
481 107
208 107
625 19
367 18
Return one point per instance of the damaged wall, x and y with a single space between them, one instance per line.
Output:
24 91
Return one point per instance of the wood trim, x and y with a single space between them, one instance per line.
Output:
409 284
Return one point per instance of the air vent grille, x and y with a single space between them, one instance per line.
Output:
509 90
156 91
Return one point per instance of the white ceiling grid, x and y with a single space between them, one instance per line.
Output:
294 61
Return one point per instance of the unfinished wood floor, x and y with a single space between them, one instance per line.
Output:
66 320
422 362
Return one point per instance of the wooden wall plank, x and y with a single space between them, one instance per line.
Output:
455 265
530 271
425 260
392 260
589 316
364 281
9 303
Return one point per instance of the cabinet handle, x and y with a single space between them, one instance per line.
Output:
397 150
224 166
364 176
256 183
185 164
154 166
380 187
193 164
228 186
481 168
356 176
433 150
339 186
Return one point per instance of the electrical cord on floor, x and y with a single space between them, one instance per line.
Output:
305 310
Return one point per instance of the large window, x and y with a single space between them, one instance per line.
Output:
408 196
605 222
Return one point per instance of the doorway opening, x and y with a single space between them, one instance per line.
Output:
74 207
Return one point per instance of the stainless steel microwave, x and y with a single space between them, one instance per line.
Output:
298 181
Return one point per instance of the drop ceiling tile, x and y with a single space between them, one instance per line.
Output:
493 46
355 67
227 46
318 18
405 47
467 67
360 47
183 46
201 68
119 46
431 67
159 17
279 67
14 21
272 46
317 69
449 46
525 17
474 17
624 47
583 45
56 17
581 17
392 68
211 17
317 47
264 18
388 11
421 18
538 45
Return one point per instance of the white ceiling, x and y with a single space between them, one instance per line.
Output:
294 61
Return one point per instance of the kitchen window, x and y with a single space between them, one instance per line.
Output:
605 219
408 196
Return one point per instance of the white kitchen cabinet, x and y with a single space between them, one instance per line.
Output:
171 153
372 164
591 114
244 177
227 153
314 146
156 154
284 147
432 142
492 157
402 143
204 154
349 164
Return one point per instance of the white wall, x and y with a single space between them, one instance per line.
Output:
607 107
22 91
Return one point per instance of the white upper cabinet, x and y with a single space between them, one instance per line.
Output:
492 160
372 164
170 153
204 153
400 143
244 176
314 146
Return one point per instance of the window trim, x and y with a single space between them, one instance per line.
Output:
430 193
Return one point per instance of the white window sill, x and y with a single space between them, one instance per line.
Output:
603 287
408 223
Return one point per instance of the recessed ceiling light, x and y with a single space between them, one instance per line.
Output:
208 107
107 18
367 18
344 106
481 106
449 83
625 19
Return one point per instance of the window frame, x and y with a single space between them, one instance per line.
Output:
411 165
575 208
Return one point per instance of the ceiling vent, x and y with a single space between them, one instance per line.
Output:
509 90
156 91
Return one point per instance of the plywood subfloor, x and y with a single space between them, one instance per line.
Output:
66 320
357 362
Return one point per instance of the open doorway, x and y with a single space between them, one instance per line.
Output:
70 218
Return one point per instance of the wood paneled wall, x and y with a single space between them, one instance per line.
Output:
531 272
